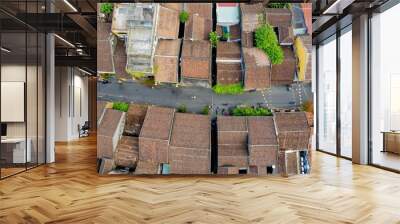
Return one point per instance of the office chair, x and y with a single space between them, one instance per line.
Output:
84 130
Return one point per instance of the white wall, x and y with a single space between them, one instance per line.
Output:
71 103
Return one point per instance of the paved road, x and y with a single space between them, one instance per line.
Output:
195 98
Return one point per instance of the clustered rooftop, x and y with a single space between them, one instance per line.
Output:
159 140
155 48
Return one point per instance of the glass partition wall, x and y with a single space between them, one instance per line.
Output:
345 61
334 84
385 89
326 130
22 77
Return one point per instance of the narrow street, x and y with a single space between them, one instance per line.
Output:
195 98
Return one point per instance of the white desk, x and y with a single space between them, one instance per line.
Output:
19 155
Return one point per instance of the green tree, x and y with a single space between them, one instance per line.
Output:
205 110
182 108
184 17
250 111
106 8
121 106
231 89
213 38
266 40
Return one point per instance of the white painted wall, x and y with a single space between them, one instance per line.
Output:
71 103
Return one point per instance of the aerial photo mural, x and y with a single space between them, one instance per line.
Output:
204 88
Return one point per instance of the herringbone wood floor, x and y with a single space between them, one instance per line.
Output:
70 191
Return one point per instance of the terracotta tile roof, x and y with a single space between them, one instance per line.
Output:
176 6
108 132
232 141
147 167
257 69
229 73
200 21
168 23
286 35
189 161
284 73
233 155
202 9
262 131
166 60
157 123
127 152
191 131
105 55
231 123
103 31
120 60
197 28
155 134
257 170
263 145
168 47
101 106
232 138
307 11
196 49
196 59
167 69
291 121
228 170
252 15
254 57
190 150
278 17
293 130
247 39
228 51
109 123
134 119
251 18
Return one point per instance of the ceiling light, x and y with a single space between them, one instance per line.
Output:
70 5
64 40
84 71
5 50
